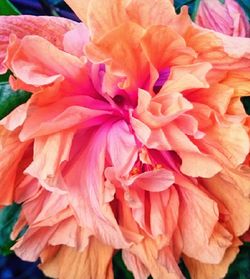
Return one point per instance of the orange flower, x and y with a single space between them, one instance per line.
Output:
129 141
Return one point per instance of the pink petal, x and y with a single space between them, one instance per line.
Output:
154 181
75 40
50 28
122 148
36 61
86 191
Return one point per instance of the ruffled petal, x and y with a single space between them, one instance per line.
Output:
50 28
147 13
199 270
94 262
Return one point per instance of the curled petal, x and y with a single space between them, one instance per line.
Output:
50 28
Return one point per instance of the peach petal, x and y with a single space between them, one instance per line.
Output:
49 154
86 200
32 244
223 52
66 113
9 144
164 47
200 270
122 41
196 164
50 28
44 63
201 231
236 203
147 13
147 253
94 262
186 77
79 8
101 23
161 109
217 97
228 138
16 118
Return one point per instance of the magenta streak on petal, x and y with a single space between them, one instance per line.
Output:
166 158
163 76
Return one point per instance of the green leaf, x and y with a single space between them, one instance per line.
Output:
246 103
5 77
193 6
120 270
6 8
195 9
10 99
184 269
8 217
180 3
240 268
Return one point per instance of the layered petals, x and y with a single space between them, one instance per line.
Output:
67 262
52 29
134 139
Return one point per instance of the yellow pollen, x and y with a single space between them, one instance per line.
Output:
134 171
158 166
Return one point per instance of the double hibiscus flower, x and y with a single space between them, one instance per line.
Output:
134 138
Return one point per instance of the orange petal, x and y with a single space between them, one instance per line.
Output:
147 253
187 77
203 238
49 153
38 62
226 190
239 81
79 8
200 270
164 47
94 262
224 52
99 22
124 41
217 96
227 139
147 13
9 144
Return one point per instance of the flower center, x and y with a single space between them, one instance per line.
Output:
119 100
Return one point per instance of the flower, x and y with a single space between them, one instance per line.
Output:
129 141
228 17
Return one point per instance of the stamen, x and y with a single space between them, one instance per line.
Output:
158 166
134 171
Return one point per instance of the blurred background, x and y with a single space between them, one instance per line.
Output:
44 7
